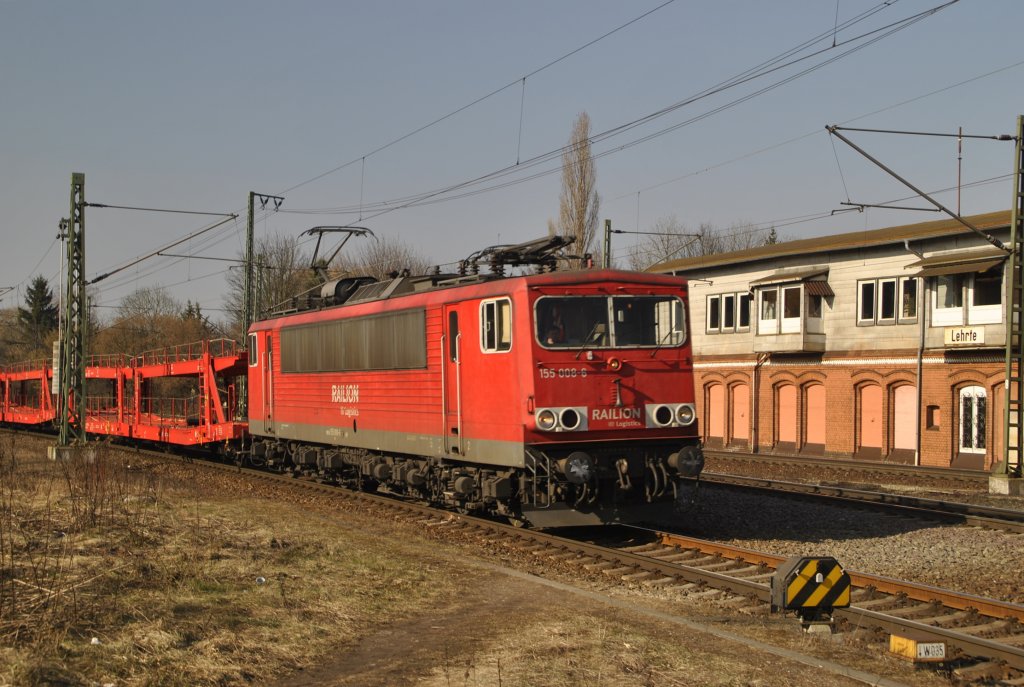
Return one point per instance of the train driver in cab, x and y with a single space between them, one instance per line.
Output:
554 334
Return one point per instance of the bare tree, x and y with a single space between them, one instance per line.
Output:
671 240
380 258
146 319
282 271
579 203
11 347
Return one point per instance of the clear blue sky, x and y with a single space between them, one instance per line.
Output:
190 105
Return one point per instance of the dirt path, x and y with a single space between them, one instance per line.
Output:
408 652
512 629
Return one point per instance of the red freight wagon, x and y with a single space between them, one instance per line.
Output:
551 398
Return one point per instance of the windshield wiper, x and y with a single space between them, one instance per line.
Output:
669 333
599 329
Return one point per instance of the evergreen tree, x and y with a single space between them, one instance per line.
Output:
192 311
39 318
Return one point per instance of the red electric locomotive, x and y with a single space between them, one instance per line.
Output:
556 398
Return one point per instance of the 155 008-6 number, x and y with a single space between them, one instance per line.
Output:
563 373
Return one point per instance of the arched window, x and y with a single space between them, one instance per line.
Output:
740 403
714 414
785 410
904 418
814 422
973 413
870 434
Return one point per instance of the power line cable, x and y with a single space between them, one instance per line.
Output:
478 100
431 197
753 73
818 132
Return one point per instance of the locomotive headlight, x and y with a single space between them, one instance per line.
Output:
570 419
546 419
685 414
663 415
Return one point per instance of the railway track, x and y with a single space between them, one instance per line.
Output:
874 469
945 511
988 633
985 629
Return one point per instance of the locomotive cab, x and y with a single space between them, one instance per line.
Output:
612 407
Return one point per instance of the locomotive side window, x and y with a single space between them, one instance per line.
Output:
496 325
610 321
393 341
252 350
453 336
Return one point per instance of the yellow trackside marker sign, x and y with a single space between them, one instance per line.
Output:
802 583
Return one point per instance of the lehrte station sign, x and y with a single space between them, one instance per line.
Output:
965 336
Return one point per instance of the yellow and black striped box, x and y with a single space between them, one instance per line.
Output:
808 584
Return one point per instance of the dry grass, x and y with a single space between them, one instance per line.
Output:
114 572
109 574
590 650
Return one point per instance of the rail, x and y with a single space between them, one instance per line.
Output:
946 511
847 464
985 629
989 628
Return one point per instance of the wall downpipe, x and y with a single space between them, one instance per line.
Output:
920 377
921 310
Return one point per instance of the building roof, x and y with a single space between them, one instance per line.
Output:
849 241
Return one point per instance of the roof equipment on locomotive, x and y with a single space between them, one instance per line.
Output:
444 387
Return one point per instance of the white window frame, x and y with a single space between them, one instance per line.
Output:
942 316
494 319
730 307
977 393
767 325
880 286
742 310
983 314
861 301
791 325
714 304
728 312
909 319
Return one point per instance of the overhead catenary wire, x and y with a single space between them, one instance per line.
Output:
840 168
818 132
535 71
435 196
481 99
768 66
427 201
170 245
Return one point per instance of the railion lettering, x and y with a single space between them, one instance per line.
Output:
615 414
344 393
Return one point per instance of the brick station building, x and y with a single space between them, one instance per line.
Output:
883 345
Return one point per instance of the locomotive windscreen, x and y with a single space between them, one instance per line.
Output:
610 321
392 341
